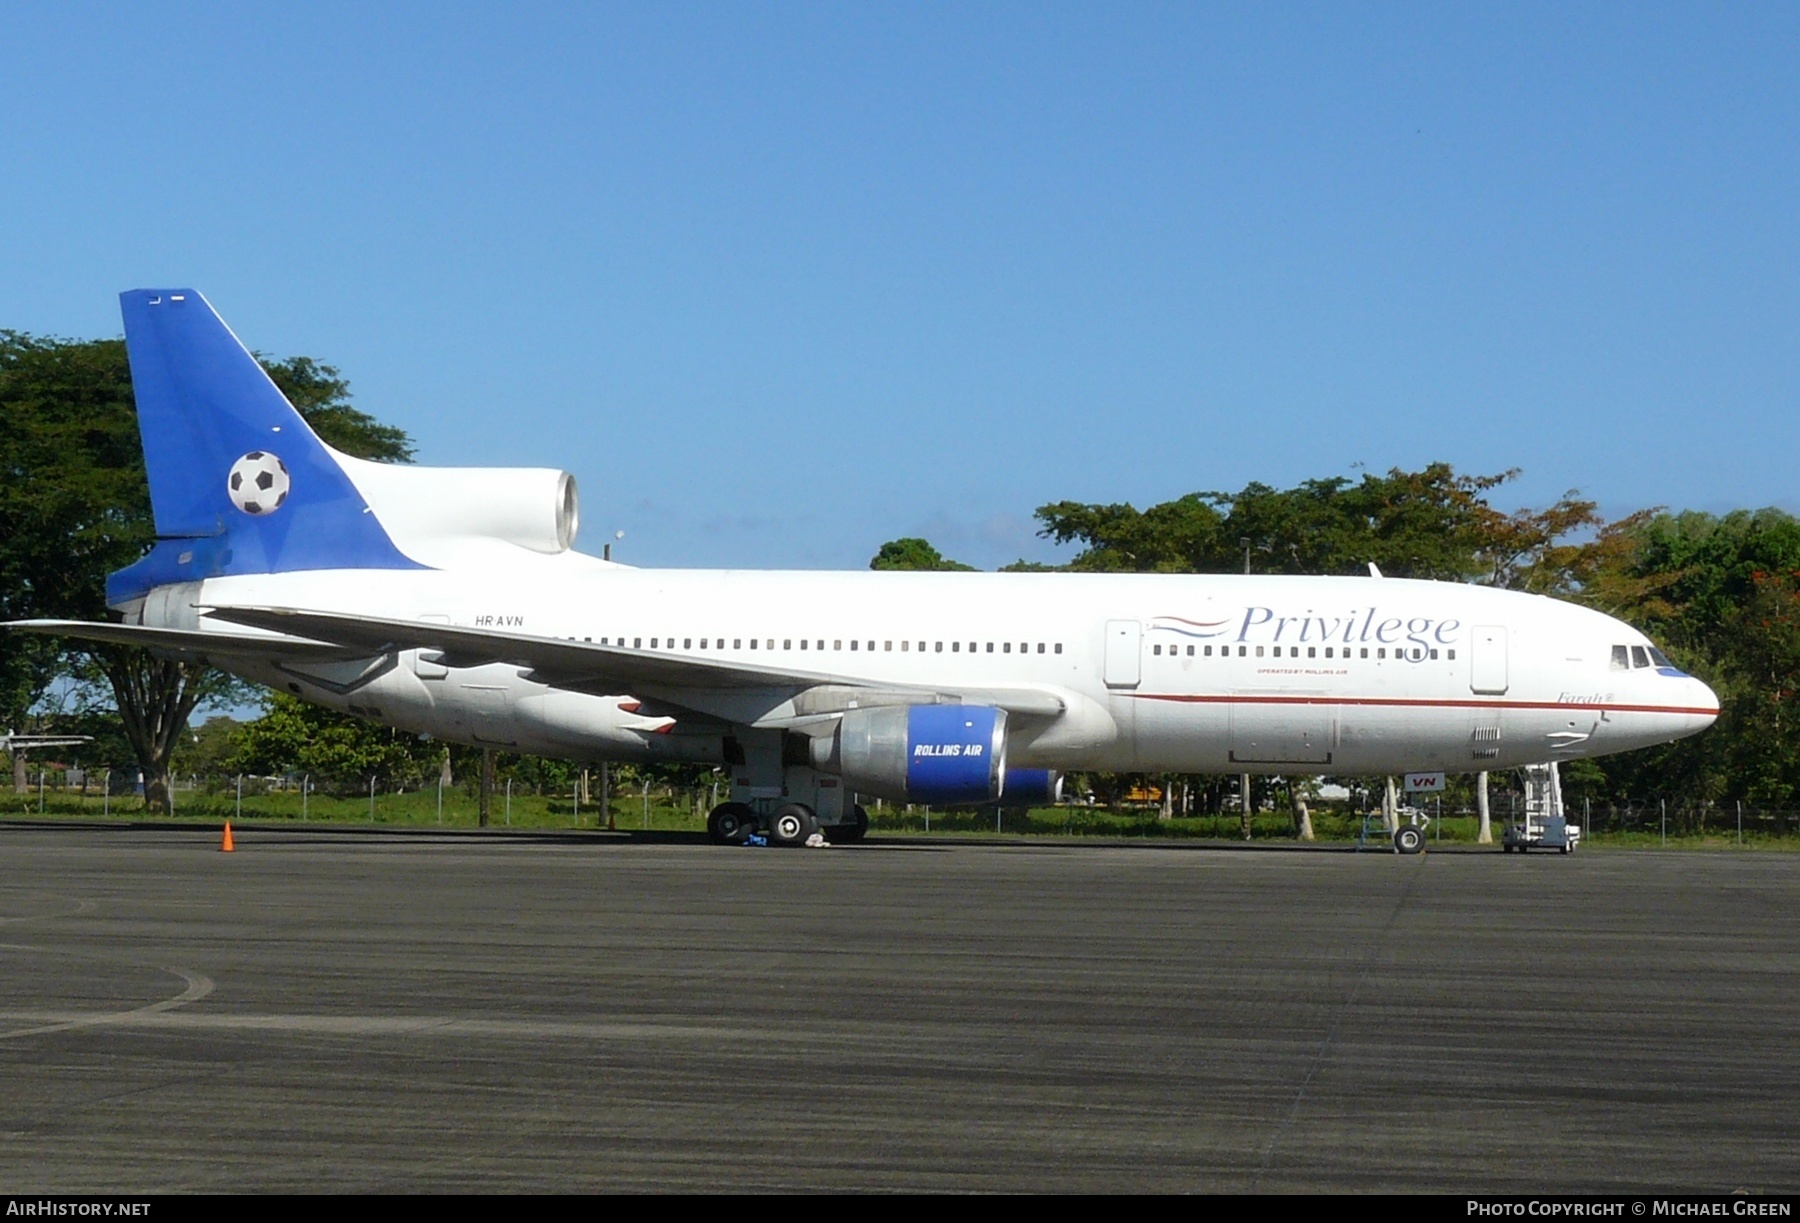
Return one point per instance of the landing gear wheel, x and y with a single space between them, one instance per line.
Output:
731 823
851 830
792 825
1409 840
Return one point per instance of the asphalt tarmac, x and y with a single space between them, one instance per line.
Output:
406 1012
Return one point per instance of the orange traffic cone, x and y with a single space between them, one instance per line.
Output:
225 846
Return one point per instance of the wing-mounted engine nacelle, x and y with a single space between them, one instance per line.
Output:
1031 787
942 754
949 755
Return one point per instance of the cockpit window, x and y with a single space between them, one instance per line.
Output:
1659 658
1640 657
1621 658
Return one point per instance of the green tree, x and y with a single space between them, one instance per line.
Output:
1430 523
293 737
1719 594
913 554
74 505
1186 535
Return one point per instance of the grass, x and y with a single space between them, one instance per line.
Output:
417 809
420 809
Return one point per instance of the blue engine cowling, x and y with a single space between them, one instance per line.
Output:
942 754
1031 787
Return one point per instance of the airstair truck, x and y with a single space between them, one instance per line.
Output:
1546 824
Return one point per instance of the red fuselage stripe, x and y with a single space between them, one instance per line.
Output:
1411 703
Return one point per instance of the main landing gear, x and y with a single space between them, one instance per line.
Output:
791 825
731 823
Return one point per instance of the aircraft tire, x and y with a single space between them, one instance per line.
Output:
850 831
1409 840
730 823
792 825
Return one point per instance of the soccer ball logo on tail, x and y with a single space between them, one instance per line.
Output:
258 483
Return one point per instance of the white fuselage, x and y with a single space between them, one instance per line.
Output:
1155 673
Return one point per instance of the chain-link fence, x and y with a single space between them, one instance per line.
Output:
591 801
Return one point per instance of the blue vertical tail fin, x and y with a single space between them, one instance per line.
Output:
238 482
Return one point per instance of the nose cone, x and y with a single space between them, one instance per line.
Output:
1702 707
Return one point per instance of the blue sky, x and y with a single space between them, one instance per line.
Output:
781 282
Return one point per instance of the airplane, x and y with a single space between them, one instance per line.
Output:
452 602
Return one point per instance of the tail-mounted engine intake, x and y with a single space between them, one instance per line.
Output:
531 507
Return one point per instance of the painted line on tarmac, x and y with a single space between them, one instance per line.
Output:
161 1017
81 906
198 987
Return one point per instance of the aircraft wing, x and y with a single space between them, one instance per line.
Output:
681 682
192 644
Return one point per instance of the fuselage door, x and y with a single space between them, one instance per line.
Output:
1124 653
1487 659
